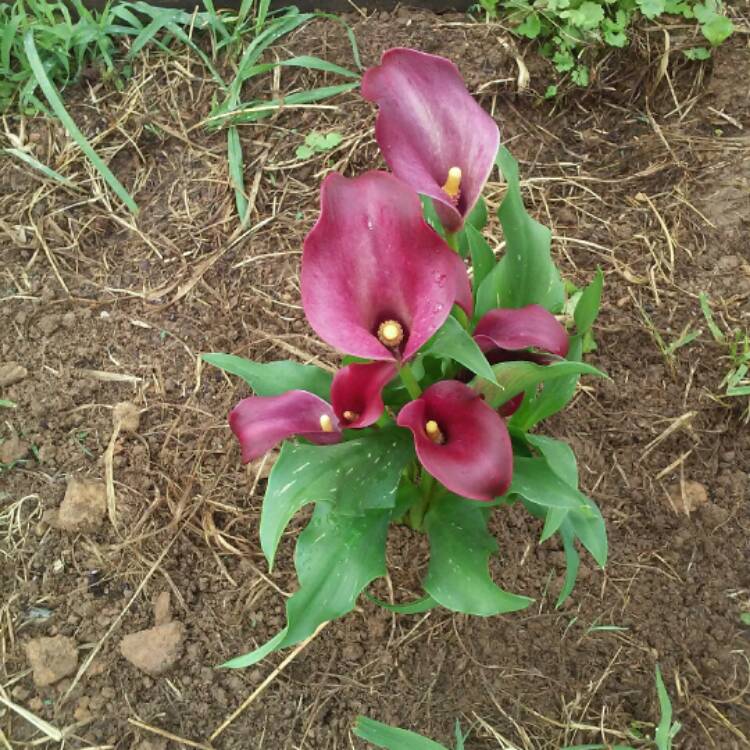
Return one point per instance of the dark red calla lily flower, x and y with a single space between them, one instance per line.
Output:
516 329
356 392
526 333
460 440
433 134
377 281
260 422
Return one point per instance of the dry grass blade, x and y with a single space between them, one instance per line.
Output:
43 726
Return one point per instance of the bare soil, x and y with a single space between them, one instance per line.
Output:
646 174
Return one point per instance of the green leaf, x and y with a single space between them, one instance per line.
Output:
304 152
572 563
666 731
651 8
36 164
588 15
332 140
482 257
454 342
336 558
274 378
530 27
678 8
580 76
430 215
697 53
519 376
460 547
352 477
563 60
589 302
237 171
50 93
614 35
478 216
745 618
391 738
551 91
554 396
536 481
553 520
717 29
526 273
407 608
559 456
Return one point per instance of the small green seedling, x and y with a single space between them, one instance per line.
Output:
393 738
737 342
316 143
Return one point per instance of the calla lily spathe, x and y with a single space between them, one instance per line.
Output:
525 333
432 133
261 422
460 440
377 281
508 330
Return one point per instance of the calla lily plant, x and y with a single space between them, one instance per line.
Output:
451 359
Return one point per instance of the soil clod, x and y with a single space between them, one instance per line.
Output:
83 507
51 659
11 373
126 414
13 449
687 497
154 650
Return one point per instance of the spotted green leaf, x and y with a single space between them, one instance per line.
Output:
351 477
460 547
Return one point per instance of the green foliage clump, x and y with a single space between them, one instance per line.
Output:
566 28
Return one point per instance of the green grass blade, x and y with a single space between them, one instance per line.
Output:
55 102
316 63
391 738
236 171
260 20
716 332
257 110
666 730
350 35
36 164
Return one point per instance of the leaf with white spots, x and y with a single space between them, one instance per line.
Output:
460 547
336 558
352 477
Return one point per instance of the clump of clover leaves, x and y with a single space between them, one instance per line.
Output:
565 29
431 419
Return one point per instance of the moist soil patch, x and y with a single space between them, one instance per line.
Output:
645 174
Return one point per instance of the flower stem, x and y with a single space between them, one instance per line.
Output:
418 511
408 379
452 239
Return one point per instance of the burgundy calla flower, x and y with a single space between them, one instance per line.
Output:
460 440
508 334
377 281
260 422
508 330
433 134
356 392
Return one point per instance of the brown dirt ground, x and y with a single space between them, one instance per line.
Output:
646 175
